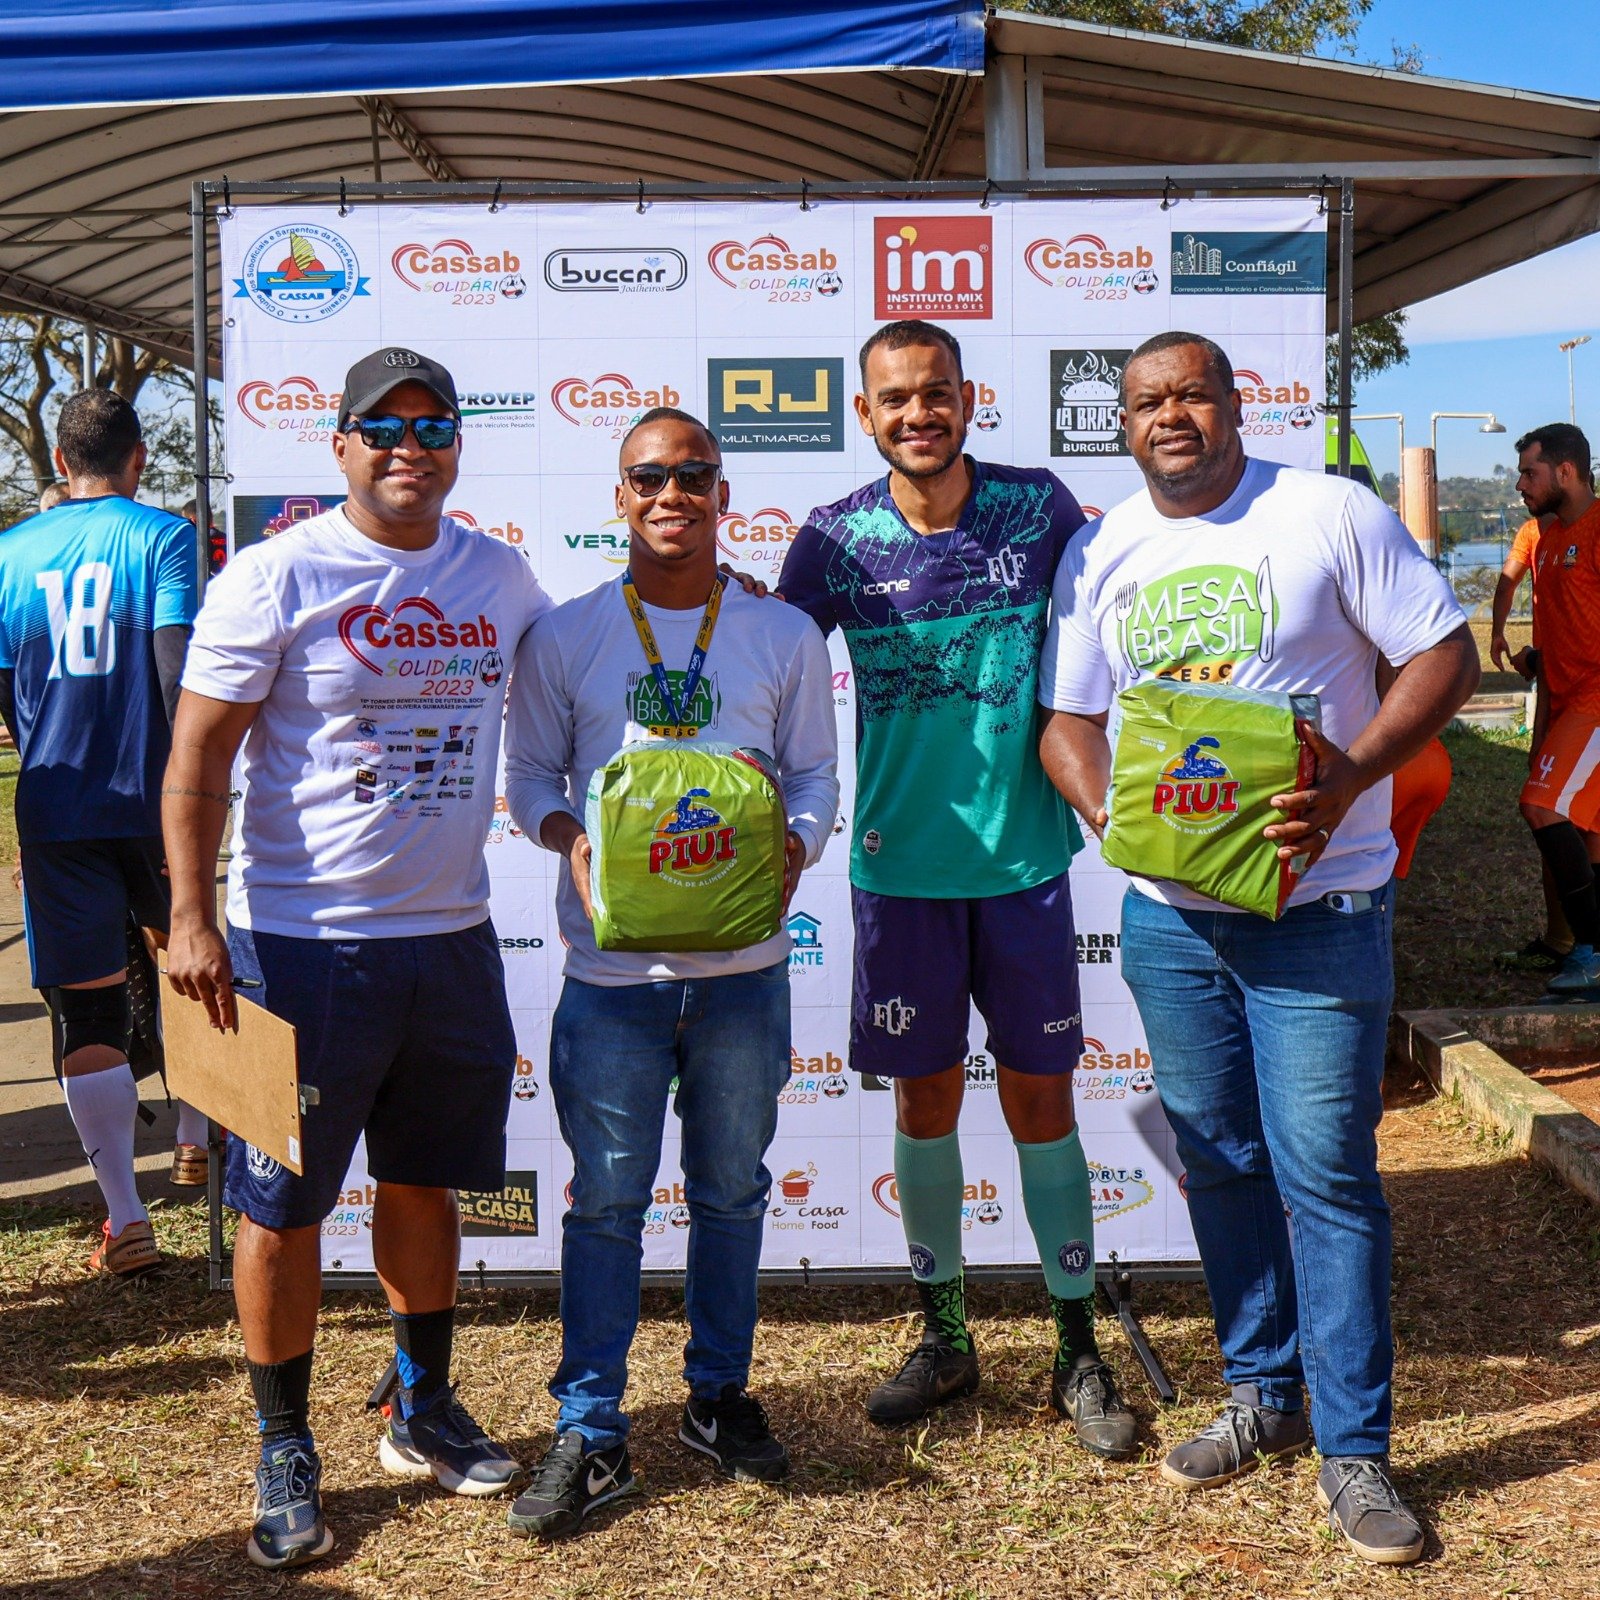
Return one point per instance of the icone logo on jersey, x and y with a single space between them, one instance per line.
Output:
609 400
417 624
300 272
454 267
509 533
292 405
1271 408
929 266
1195 792
692 842
1087 264
761 538
768 263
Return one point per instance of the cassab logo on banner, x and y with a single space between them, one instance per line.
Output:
760 539
613 271
937 267
769 267
470 277
980 1201
294 405
507 533
612 401
300 272
1270 408
1091 269
1249 263
1086 413
778 403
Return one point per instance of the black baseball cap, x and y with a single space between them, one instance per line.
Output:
372 377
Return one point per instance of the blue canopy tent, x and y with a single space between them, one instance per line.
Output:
69 53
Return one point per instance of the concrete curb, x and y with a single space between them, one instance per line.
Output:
1448 1046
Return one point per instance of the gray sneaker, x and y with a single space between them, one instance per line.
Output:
1246 1434
1363 1504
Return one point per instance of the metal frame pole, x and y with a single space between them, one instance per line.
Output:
1347 302
201 360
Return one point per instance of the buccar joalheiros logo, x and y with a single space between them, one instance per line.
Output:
777 403
300 272
615 271
938 267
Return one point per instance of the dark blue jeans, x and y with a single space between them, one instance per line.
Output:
1268 1043
613 1055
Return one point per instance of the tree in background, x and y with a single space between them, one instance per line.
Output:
1290 27
41 363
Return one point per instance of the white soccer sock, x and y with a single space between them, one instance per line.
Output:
191 1125
104 1106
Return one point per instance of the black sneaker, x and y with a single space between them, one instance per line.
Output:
1086 1395
933 1375
733 1431
441 1441
1363 1504
1240 1439
567 1485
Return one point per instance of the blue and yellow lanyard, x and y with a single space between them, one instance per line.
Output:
677 713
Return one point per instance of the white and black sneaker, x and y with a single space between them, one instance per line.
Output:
733 1431
567 1485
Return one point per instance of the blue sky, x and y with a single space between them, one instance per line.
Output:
1491 346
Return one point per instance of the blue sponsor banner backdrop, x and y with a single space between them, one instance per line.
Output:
562 323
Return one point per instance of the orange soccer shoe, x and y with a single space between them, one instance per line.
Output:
128 1253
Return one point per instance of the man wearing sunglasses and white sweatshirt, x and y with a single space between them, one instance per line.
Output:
356 665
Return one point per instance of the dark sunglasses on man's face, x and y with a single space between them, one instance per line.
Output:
385 433
694 477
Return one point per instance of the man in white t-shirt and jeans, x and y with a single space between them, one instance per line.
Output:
1268 1038
744 672
356 665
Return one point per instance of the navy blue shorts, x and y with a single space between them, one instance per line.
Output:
407 1040
920 965
76 898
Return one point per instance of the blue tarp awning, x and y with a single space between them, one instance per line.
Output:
92 52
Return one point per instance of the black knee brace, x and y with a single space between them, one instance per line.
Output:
94 1016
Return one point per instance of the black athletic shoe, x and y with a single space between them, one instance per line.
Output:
933 1375
1086 1395
733 1431
567 1485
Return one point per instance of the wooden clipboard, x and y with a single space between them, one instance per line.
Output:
248 1081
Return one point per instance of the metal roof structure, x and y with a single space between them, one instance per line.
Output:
1451 180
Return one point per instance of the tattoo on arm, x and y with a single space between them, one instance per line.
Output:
221 799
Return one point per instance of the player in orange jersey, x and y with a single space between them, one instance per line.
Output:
1561 799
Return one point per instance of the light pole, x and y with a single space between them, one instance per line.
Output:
1396 417
1569 345
1492 425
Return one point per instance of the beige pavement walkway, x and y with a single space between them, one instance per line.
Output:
40 1157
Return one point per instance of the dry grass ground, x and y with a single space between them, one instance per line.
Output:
126 1439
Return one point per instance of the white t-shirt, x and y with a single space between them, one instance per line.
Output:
1295 583
582 690
368 774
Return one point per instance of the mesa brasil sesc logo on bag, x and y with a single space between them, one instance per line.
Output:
300 272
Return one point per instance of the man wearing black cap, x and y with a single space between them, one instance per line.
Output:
356 666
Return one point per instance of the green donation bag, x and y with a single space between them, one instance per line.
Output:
1192 772
688 847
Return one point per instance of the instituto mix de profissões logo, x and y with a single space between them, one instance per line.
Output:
300 272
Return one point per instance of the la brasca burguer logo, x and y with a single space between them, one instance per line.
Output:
1197 625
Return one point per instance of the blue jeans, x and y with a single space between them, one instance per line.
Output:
1268 1043
614 1053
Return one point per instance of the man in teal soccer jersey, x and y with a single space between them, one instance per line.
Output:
939 574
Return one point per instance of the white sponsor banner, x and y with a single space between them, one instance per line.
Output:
561 323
